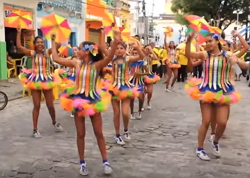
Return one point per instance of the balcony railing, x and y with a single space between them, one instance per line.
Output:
68 5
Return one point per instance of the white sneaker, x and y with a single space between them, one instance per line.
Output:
119 140
216 149
83 170
132 117
139 116
202 155
127 136
211 138
168 90
58 127
72 115
142 109
36 134
107 169
172 88
148 107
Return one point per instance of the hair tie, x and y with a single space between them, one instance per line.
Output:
93 49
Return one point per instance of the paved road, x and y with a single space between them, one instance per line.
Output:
163 144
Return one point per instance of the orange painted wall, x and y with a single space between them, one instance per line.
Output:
95 8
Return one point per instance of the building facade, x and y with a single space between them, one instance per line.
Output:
72 10
8 31
167 20
134 17
123 7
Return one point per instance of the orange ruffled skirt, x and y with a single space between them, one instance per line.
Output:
29 78
173 65
151 79
205 95
87 105
123 92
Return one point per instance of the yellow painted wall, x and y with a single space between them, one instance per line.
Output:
125 15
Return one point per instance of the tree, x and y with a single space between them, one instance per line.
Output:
219 12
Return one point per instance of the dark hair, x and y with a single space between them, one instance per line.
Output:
223 35
172 42
37 38
217 39
123 44
98 56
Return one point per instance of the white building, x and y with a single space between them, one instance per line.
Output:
135 12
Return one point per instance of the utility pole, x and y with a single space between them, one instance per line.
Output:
145 22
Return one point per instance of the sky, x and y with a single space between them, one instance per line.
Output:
158 8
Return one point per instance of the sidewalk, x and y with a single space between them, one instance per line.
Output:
12 87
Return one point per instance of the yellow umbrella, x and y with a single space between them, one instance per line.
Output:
125 33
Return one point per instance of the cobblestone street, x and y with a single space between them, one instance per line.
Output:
162 146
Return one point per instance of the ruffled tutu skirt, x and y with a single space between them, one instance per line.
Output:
124 91
30 79
85 105
151 79
68 79
173 65
208 95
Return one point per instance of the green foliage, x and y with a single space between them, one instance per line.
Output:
219 10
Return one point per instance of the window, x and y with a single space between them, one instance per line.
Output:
72 39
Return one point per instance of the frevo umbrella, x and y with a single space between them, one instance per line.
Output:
55 24
19 18
125 33
66 50
169 31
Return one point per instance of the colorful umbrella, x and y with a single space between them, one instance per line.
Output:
199 23
19 18
169 31
108 20
66 50
192 17
125 33
217 30
55 24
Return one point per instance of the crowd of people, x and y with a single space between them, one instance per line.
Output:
97 76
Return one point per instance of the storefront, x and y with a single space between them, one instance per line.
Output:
8 31
95 11
75 20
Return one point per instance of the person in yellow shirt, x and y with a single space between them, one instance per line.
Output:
183 61
155 62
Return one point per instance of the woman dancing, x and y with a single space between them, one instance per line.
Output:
214 91
172 64
137 72
84 99
39 79
123 90
151 78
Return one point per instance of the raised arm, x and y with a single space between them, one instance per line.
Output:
193 55
24 50
139 57
165 42
101 64
243 43
62 61
102 44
